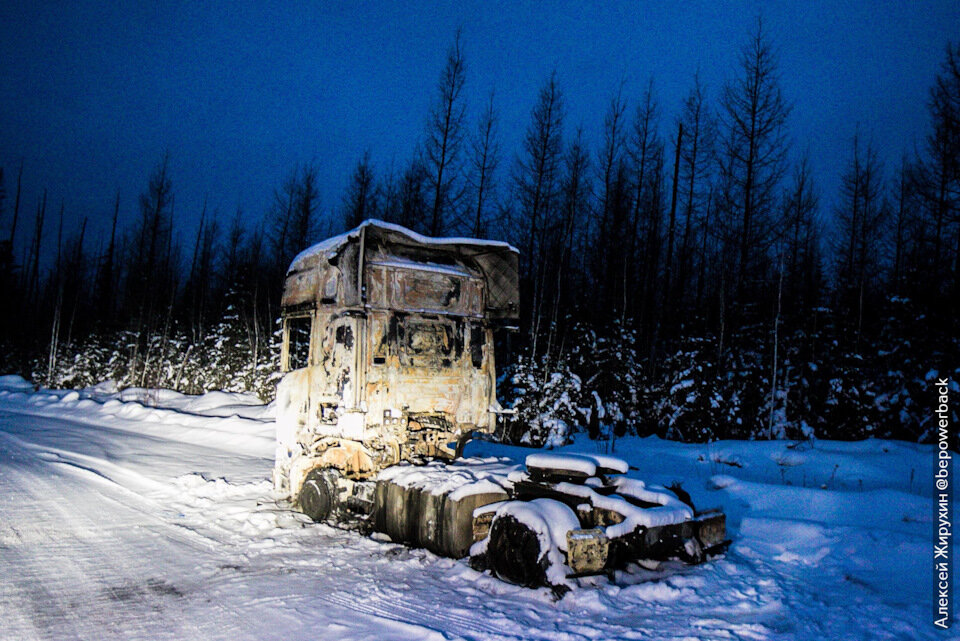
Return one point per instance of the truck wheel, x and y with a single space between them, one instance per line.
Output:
514 554
318 496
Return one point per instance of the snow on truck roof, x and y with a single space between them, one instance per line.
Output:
332 245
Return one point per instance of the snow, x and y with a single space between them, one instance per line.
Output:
567 462
611 463
671 509
588 464
463 478
332 245
15 383
154 518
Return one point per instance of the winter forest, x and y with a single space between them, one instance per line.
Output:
679 276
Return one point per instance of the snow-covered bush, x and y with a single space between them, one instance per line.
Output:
608 361
548 400
223 360
688 403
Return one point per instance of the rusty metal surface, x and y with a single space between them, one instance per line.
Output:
587 550
402 287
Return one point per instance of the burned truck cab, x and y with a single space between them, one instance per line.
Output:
387 355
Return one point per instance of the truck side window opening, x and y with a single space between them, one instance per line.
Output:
298 342
476 346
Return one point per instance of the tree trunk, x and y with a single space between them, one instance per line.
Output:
673 216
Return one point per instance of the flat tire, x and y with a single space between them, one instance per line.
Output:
318 496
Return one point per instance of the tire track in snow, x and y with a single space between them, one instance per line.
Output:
405 611
81 566
103 473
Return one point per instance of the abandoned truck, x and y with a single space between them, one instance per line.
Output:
389 369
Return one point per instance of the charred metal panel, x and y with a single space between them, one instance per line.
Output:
335 358
329 289
348 262
495 264
300 287
380 340
376 287
310 287
473 298
429 343
425 292
400 286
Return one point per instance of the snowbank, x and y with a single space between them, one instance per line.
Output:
154 518
231 422
15 383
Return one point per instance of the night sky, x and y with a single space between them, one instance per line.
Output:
92 94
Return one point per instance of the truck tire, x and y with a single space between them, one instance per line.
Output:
514 554
318 496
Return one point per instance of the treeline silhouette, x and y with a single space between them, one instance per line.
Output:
678 277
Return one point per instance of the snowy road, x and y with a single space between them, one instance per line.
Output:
122 520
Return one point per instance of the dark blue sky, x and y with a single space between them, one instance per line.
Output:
93 93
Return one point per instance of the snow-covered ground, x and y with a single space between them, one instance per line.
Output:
150 515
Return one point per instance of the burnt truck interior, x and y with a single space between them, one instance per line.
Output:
387 352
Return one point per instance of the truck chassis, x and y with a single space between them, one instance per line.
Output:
559 518
388 363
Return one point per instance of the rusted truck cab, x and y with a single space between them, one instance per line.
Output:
387 355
